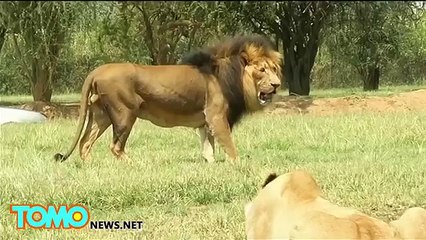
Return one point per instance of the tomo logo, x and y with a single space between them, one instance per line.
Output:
50 217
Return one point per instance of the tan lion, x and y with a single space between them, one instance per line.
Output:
210 90
290 206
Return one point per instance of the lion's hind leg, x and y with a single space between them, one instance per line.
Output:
122 126
97 123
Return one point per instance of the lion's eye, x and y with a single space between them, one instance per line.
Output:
262 69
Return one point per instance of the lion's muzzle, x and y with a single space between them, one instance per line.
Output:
265 96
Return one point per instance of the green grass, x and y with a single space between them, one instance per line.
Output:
20 99
373 162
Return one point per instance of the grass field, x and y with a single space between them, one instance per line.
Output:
370 161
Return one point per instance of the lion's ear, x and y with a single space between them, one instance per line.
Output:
269 179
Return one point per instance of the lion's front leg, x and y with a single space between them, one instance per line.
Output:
207 144
215 113
221 131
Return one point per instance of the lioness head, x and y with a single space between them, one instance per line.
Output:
279 194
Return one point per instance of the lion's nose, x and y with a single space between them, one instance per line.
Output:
275 85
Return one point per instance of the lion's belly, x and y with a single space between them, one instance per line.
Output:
163 118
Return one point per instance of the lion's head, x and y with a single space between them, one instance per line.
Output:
270 211
247 68
262 70
260 63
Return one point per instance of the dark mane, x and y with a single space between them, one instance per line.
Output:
237 45
269 179
202 59
225 60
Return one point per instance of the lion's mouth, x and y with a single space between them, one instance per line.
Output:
265 98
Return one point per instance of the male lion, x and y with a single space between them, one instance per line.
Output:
211 89
290 206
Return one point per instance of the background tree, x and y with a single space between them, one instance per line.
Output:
368 35
297 26
38 31
168 28
44 47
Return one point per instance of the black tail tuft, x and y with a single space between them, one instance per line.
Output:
269 179
59 157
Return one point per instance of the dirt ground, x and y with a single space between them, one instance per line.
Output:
407 101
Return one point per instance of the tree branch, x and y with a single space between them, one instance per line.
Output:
175 24
149 36
27 70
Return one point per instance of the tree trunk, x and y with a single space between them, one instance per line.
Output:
300 38
298 80
163 51
371 78
2 37
40 85
41 90
297 69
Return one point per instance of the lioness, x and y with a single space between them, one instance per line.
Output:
210 90
289 206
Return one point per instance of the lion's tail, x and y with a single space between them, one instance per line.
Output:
82 118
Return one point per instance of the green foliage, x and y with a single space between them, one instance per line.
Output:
331 72
380 35
168 29
410 65
85 35
38 33
11 82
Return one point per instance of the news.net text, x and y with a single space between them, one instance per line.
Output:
116 225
